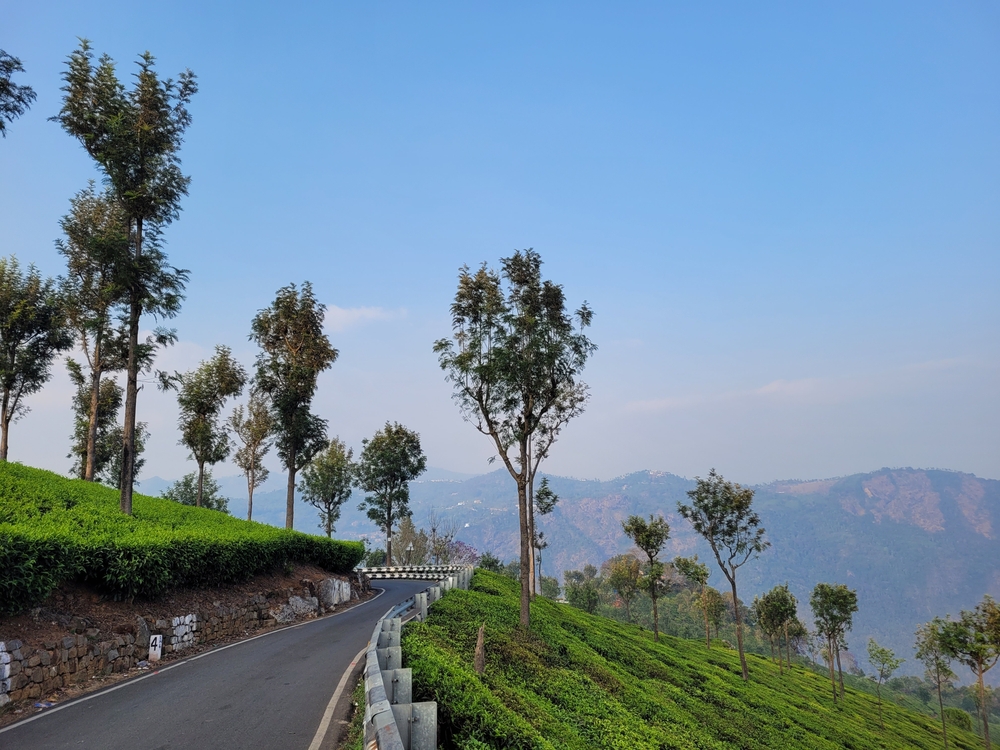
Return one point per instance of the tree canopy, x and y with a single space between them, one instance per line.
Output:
32 332
514 359
294 351
722 512
389 461
326 482
833 607
15 99
650 536
134 135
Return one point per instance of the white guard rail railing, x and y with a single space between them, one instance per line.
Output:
392 720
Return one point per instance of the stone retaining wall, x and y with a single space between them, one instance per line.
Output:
27 674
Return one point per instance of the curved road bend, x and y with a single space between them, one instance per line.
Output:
268 694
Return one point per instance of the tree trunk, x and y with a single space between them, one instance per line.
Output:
984 711
251 475
704 611
290 494
531 531
201 482
388 545
522 508
878 692
656 613
90 465
840 671
944 727
833 676
739 627
770 642
4 425
131 387
781 663
788 648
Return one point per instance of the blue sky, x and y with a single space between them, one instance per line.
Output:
784 216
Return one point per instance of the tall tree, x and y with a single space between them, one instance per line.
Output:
885 662
14 98
937 663
623 575
722 512
96 248
974 640
389 461
134 136
294 351
582 588
515 352
201 394
253 428
93 449
650 536
698 574
833 607
326 482
32 332
776 614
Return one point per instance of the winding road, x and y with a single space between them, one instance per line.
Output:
270 692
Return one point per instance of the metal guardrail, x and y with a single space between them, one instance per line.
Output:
392 720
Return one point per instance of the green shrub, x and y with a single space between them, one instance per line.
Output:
956 717
54 529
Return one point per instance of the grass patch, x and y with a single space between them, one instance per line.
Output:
354 739
581 681
54 529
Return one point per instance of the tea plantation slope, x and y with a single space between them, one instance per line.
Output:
581 681
54 529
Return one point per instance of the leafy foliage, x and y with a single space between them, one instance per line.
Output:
389 461
199 490
253 428
294 351
54 529
32 332
14 98
578 681
326 482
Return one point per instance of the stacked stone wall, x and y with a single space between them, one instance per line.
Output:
32 673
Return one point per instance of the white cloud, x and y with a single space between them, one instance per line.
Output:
341 318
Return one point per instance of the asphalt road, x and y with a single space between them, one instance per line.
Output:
268 693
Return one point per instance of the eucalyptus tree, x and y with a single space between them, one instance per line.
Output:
514 355
32 333
650 536
134 135
96 248
885 662
389 461
937 663
722 512
974 641
253 427
15 99
294 351
201 394
326 482
698 574
833 607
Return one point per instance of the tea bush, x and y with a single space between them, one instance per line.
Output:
582 681
54 529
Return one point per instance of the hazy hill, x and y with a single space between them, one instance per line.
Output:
914 543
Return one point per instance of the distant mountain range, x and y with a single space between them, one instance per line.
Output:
914 543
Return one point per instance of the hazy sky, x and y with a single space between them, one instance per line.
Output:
786 216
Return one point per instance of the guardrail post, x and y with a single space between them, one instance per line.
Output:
398 685
421 603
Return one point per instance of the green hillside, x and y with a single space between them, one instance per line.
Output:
581 681
54 529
